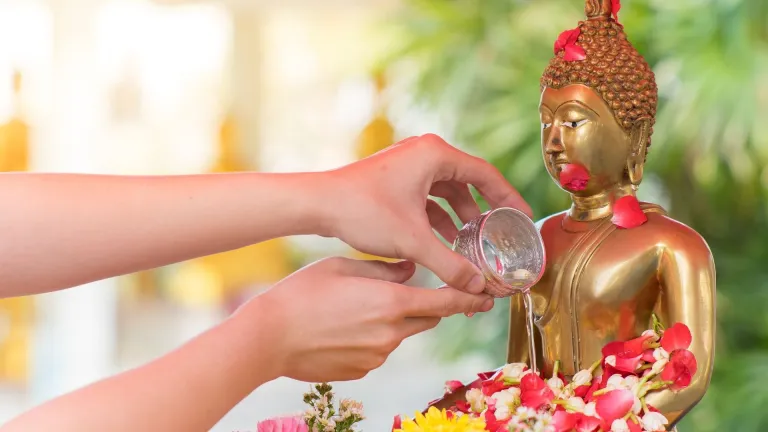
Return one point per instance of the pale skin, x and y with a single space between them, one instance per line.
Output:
335 320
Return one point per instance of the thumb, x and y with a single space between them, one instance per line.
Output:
398 272
452 268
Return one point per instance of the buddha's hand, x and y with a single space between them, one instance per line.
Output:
382 206
339 319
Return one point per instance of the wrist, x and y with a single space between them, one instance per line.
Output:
324 207
255 336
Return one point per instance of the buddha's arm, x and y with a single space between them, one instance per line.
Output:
687 277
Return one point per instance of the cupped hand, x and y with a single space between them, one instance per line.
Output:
338 319
382 206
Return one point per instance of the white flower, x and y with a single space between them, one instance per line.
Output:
576 404
349 408
637 406
660 353
506 401
654 421
630 381
583 377
525 413
515 371
654 336
590 409
476 400
658 365
555 383
619 425
611 360
614 382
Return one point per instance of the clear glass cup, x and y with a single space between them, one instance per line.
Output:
506 246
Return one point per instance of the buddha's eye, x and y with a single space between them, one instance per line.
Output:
546 125
574 124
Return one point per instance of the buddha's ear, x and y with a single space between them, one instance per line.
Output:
638 148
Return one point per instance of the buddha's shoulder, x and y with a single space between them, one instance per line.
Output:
553 219
661 230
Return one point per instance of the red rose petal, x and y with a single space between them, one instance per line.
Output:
563 421
634 427
453 385
492 424
637 346
612 348
397 423
574 177
615 8
677 337
627 213
585 423
625 363
614 405
567 37
493 386
574 53
648 356
680 370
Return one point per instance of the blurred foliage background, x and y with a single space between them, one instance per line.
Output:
478 63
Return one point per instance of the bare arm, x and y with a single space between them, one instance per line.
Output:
687 276
63 230
189 389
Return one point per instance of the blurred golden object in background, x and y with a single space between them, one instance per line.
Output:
16 314
223 277
377 135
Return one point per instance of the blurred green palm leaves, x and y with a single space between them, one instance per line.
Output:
478 62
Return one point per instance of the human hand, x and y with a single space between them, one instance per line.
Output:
382 206
339 319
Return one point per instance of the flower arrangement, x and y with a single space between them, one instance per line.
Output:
516 399
321 416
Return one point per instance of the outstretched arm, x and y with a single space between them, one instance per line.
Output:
687 277
62 230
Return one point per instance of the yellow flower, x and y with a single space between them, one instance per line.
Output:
438 421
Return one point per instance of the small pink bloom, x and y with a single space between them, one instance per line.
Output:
283 424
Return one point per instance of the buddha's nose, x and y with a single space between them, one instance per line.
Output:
554 142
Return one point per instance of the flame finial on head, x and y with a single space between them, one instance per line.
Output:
599 8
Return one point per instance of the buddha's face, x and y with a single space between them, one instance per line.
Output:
579 128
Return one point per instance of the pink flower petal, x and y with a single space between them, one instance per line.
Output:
283 424
397 423
627 213
676 337
615 8
563 421
614 405
452 386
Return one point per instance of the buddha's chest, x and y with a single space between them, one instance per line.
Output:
603 282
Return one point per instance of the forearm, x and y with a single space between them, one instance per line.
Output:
190 389
689 298
62 230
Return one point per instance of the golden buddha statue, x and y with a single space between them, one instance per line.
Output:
16 314
602 282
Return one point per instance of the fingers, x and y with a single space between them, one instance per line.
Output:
413 326
449 266
459 166
390 272
441 221
458 196
442 303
